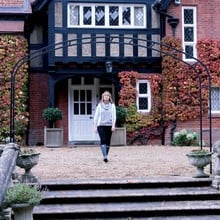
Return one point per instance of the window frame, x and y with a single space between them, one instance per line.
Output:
215 111
107 20
194 26
148 96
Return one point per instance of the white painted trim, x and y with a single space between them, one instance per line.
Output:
194 26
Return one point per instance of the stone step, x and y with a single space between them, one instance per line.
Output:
128 209
157 182
120 195
128 199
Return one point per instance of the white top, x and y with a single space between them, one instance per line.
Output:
105 115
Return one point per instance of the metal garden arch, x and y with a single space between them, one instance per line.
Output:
148 45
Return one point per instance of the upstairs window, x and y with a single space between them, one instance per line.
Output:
189 32
102 16
143 97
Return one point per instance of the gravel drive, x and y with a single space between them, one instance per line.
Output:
85 162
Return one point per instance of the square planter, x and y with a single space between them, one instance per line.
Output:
53 137
119 137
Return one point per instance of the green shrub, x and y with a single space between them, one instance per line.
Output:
120 116
185 138
21 193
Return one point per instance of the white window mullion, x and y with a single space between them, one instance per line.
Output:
106 15
93 15
81 15
132 16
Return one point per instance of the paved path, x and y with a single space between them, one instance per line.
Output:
85 162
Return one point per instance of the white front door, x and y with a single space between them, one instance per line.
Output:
83 102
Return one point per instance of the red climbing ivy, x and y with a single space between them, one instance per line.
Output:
12 48
175 92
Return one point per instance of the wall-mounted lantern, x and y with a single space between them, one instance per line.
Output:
108 66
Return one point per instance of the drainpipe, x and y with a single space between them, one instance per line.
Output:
172 131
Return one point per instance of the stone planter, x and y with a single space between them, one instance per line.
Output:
200 160
27 162
22 211
53 137
119 137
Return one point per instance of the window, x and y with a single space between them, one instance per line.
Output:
189 32
143 97
215 97
112 15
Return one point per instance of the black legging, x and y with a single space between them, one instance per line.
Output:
105 134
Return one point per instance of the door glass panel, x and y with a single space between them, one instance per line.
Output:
89 108
76 95
88 80
82 95
89 95
82 109
76 108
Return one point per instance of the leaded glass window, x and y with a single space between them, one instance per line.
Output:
113 16
126 15
100 15
139 16
215 98
108 15
87 15
189 32
143 98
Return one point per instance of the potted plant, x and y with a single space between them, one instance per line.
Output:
53 137
119 135
200 158
22 198
27 159
52 115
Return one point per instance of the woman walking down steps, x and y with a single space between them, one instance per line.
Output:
104 122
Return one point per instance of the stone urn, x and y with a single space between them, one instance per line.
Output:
22 211
27 160
199 159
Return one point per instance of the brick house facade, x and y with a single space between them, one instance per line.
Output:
61 76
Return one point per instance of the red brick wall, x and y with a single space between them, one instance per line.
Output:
208 18
39 100
61 94
38 89
208 26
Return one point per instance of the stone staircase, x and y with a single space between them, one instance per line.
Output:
155 198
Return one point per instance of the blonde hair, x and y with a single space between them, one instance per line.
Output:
108 94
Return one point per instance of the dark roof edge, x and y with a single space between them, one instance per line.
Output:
39 4
161 5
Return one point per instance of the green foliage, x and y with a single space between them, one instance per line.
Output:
199 152
52 114
27 151
185 138
120 116
13 48
21 193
